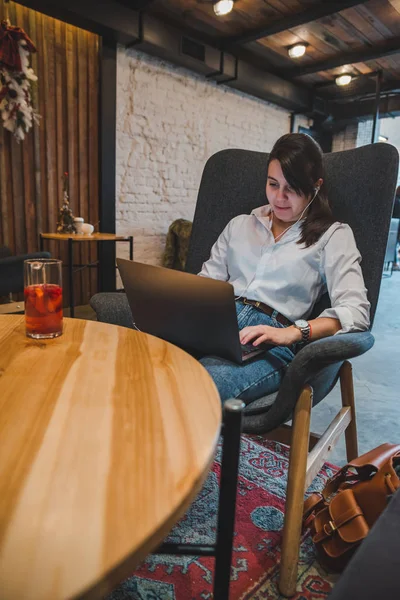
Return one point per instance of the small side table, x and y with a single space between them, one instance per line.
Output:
71 239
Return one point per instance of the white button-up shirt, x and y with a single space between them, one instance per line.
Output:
287 276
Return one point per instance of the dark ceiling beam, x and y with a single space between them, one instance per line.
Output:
390 87
392 46
318 11
136 4
362 110
331 82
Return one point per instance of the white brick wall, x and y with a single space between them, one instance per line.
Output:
169 122
355 135
345 139
364 134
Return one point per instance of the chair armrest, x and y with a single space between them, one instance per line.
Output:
5 251
335 348
317 364
12 271
112 307
16 260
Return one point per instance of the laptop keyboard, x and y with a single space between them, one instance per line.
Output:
247 348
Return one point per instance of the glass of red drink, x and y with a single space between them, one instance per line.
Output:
43 298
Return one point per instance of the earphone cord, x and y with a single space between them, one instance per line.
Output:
300 217
247 287
277 237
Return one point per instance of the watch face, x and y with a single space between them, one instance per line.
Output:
301 323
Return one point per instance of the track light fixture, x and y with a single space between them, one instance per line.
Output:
343 79
297 50
223 7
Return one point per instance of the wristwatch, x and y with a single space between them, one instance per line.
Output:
305 329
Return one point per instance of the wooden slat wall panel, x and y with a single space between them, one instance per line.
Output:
17 197
43 199
66 139
7 212
28 172
50 117
39 189
83 147
71 94
93 144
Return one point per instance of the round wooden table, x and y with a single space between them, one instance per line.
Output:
106 435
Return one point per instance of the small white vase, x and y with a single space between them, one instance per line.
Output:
87 229
78 222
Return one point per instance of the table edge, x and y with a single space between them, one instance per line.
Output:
121 571
80 237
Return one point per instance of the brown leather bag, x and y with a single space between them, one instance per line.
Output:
342 514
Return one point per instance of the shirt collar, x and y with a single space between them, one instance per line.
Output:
262 214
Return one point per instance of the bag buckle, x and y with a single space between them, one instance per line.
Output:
329 527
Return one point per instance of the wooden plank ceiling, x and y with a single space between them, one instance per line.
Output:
361 39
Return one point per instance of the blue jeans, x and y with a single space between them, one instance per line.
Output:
258 377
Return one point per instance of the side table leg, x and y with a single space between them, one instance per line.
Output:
99 271
131 248
40 242
71 277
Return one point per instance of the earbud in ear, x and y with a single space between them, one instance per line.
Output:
316 189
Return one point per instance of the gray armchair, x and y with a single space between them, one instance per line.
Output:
361 186
12 270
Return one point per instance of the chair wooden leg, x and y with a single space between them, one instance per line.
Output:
295 493
347 391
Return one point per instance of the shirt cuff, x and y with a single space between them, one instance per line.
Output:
343 314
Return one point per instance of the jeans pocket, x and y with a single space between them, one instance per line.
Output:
276 323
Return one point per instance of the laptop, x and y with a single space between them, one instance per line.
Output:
195 313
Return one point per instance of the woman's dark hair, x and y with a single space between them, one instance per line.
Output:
300 158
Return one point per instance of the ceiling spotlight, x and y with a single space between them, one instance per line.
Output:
343 79
223 7
297 50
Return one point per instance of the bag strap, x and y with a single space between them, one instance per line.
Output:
364 465
317 500
311 504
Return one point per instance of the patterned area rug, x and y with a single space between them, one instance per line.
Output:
256 556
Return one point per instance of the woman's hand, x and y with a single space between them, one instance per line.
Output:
261 334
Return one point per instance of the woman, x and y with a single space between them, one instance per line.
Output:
284 256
